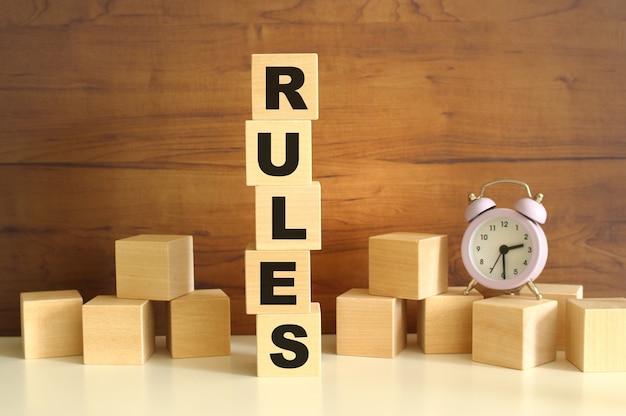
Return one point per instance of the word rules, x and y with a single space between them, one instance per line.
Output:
287 214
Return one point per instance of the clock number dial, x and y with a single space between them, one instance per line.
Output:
501 249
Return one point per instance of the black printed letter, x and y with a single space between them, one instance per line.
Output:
268 282
279 232
292 157
301 351
273 87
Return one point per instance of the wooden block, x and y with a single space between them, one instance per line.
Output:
370 326
289 344
199 324
596 336
154 267
284 86
408 265
278 152
117 331
444 322
289 217
514 332
561 293
277 281
51 323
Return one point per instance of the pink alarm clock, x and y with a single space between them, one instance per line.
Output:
505 249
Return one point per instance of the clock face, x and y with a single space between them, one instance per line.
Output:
501 248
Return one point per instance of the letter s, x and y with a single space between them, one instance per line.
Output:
301 351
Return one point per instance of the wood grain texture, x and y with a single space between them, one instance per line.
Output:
306 90
289 344
514 332
289 291
199 324
52 323
301 211
560 293
369 325
118 331
444 322
154 267
300 171
408 265
596 334
121 118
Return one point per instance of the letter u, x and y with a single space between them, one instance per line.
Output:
292 154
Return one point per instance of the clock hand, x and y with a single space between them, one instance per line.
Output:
494 264
503 251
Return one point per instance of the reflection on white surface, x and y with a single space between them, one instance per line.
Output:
412 382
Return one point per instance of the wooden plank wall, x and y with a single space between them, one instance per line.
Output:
120 118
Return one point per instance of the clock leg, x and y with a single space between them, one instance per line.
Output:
471 286
534 289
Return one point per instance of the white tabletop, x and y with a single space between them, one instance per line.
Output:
412 383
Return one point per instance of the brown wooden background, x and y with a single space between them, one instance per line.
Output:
127 117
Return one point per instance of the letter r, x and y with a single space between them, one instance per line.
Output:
273 87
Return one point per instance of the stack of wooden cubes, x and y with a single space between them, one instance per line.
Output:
287 212
403 266
510 331
155 268
120 329
517 332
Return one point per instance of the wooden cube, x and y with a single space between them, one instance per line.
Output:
370 326
289 344
513 331
154 267
444 322
277 281
561 293
199 324
117 331
596 336
285 86
289 217
278 152
51 323
408 265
